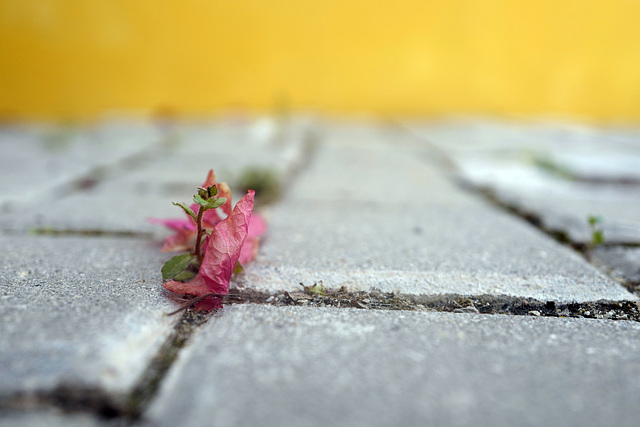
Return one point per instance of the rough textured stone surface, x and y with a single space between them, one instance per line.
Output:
619 262
51 419
38 159
374 216
560 204
228 149
425 250
169 172
561 174
373 208
268 366
85 312
364 167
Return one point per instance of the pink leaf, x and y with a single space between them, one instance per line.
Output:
210 218
249 250
211 179
183 240
224 246
225 191
197 286
185 232
257 227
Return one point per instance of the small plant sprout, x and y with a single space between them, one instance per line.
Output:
597 234
219 240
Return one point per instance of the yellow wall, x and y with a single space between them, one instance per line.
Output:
79 58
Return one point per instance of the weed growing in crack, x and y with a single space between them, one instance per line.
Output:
217 245
597 234
264 181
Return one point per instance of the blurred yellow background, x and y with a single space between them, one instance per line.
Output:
78 59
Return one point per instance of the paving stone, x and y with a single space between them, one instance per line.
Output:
38 158
124 203
561 204
482 138
79 312
562 174
105 208
425 250
350 222
183 167
619 262
568 212
364 166
51 419
294 366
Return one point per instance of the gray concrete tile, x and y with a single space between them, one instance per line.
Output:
294 366
37 159
560 204
125 202
621 263
425 250
51 419
558 172
375 173
378 217
84 312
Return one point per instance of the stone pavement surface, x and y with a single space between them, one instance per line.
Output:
365 207
79 311
560 174
257 365
413 233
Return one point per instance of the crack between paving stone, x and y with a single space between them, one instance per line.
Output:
99 173
310 142
129 408
83 232
560 236
479 304
73 398
149 383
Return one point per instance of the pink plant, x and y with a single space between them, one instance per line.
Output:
220 245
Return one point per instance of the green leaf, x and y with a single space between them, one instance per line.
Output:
207 193
597 237
317 289
238 268
217 202
593 220
187 209
176 265
185 275
199 200
212 203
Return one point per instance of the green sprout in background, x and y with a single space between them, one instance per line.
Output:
264 181
551 166
597 234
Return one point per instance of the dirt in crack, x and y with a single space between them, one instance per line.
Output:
319 296
95 400
150 381
86 232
